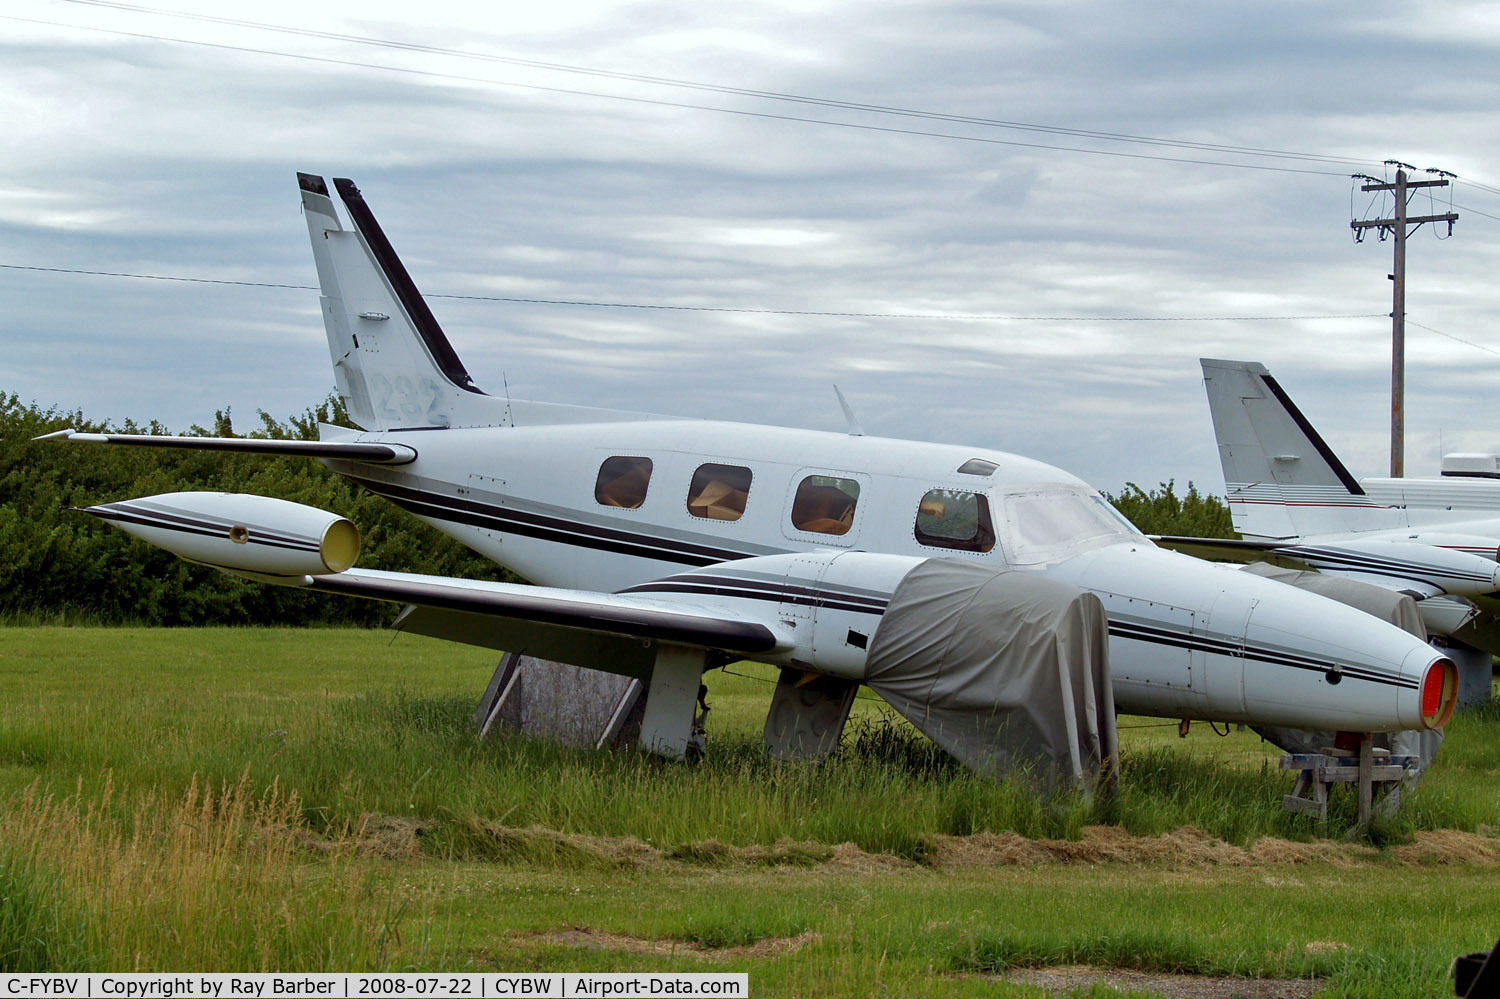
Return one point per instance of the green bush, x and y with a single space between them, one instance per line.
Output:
1162 511
59 564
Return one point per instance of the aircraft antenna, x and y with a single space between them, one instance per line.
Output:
1398 225
855 430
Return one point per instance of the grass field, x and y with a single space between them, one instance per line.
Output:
279 799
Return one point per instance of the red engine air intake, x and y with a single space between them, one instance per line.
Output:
1439 693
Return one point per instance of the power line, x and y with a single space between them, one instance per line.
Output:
709 87
657 102
1450 336
723 88
948 317
156 277
1476 211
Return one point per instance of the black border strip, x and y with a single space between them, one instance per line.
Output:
1350 483
787 595
144 512
350 450
730 579
1177 639
1361 562
217 532
406 289
495 518
636 622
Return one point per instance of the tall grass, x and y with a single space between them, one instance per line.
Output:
356 731
210 879
256 799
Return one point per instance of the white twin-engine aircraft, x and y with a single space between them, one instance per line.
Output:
674 545
1294 503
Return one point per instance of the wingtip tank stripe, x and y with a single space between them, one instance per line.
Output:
209 531
139 509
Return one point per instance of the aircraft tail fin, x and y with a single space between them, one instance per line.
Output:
1282 478
392 363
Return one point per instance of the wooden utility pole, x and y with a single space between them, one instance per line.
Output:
1400 225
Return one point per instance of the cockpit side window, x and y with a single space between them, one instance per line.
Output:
719 492
825 504
957 519
623 481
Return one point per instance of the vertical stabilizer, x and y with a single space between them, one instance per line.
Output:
1281 478
392 363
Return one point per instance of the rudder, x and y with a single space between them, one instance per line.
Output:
1281 478
392 363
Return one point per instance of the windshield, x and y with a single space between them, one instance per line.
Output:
1052 523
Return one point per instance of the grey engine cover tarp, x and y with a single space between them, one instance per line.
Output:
1006 670
1388 605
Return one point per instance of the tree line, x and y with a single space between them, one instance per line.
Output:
59 563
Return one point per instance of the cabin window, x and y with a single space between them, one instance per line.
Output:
622 482
954 518
825 504
718 492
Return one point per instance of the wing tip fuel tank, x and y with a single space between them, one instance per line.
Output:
240 532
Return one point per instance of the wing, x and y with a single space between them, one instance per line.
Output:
618 633
1226 550
376 453
1421 570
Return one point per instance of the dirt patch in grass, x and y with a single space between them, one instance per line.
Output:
848 857
394 837
1193 848
1059 981
1450 846
399 837
670 946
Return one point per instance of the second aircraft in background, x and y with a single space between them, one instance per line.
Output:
1295 504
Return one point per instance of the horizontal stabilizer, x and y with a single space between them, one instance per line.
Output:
380 454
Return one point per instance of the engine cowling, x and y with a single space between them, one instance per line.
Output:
239 532
1443 568
1473 544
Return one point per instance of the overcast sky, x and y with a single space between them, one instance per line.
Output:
141 141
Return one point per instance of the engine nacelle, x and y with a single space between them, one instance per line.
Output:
1444 568
1473 544
240 532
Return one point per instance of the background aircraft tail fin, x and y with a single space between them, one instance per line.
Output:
1282 479
392 363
